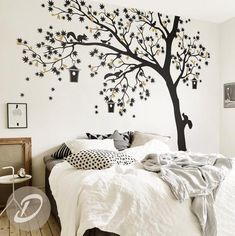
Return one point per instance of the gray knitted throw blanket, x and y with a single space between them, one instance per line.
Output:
194 176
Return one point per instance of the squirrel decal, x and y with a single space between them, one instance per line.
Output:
79 38
116 74
187 121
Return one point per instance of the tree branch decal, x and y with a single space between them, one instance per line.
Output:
127 42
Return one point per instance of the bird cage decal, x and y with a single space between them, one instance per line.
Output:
194 83
111 105
74 72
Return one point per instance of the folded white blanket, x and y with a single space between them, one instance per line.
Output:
130 201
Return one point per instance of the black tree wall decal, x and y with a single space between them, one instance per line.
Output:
134 41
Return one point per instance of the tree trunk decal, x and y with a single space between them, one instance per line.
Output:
133 41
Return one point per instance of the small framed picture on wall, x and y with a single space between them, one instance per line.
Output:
229 95
17 115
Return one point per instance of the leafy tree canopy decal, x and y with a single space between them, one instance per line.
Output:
127 42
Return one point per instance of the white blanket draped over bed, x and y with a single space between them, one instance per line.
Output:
130 201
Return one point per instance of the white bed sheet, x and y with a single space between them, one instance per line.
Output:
130 201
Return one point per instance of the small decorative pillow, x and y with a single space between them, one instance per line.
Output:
121 140
62 152
98 159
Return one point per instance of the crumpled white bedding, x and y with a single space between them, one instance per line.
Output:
129 201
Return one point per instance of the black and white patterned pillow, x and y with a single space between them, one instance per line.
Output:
62 152
98 159
98 136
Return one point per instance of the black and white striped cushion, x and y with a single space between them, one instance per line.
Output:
62 152
98 136
98 159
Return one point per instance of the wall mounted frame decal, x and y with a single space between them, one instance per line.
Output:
229 95
17 116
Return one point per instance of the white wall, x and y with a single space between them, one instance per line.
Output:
227 65
71 113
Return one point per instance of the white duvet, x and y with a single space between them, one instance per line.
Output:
130 201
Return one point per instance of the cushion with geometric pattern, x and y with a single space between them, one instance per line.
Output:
93 159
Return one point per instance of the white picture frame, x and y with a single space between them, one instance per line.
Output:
17 116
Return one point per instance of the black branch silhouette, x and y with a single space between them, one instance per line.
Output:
133 41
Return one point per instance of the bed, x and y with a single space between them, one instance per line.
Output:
183 221
127 200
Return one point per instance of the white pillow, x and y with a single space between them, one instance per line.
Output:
140 138
153 146
77 145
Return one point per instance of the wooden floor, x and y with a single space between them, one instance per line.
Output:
51 228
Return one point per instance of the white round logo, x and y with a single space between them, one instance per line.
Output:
30 210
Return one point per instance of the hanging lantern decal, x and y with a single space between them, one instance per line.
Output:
74 72
194 83
111 105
